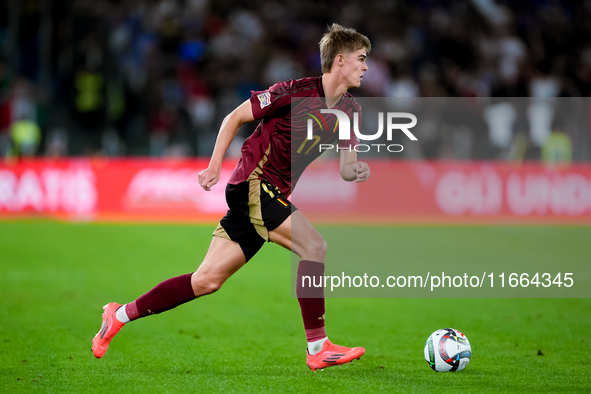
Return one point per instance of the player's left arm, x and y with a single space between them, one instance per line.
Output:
351 169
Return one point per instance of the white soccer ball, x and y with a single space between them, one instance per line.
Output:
447 350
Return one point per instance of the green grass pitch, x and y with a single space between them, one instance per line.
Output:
248 337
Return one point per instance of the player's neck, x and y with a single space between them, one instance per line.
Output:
333 90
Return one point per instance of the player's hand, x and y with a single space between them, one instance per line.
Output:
207 178
361 171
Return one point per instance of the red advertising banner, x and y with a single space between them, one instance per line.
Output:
119 189
450 192
397 192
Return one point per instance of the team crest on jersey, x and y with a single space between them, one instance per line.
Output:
265 99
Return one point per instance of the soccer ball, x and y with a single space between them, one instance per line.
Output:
447 350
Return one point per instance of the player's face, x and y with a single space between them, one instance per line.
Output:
354 67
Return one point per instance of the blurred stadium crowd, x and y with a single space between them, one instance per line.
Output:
156 77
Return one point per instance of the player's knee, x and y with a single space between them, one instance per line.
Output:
212 287
322 248
204 286
317 249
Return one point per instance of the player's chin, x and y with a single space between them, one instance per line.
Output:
355 84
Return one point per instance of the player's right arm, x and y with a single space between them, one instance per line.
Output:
228 130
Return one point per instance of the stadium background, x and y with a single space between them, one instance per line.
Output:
109 79
109 109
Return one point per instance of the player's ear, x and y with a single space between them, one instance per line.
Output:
339 60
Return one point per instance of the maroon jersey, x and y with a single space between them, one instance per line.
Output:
279 150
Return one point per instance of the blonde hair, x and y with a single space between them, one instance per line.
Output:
339 39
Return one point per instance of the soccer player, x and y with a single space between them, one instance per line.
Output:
272 160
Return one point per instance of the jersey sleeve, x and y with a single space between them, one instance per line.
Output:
267 103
